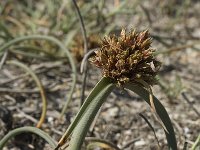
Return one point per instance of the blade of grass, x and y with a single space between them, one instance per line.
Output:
153 109
56 41
4 28
83 30
95 142
149 124
85 58
160 110
3 59
27 54
20 130
40 86
129 143
179 48
34 49
196 143
191 105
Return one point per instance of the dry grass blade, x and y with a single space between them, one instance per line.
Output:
3 59
179 48
39 84
130 143
95 142
149 124
85 58
152 105
188 101
85 50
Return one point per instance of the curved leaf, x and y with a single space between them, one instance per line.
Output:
56 41
88 111
35 130
87 118
40 86
160 110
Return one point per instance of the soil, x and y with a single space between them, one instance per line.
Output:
119 120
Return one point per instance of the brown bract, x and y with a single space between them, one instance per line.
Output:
127 58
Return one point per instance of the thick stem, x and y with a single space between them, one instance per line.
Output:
99 87
89 114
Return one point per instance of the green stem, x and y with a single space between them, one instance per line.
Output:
4 28
28 54
197 142
34 49
34 130
83 30
160 110
89 114
94 93
56 41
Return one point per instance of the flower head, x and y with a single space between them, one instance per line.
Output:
127 58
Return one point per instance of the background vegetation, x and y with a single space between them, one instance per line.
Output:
175 28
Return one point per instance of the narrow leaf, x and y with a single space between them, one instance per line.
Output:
86 115
40 86
160 110
100 86
34 130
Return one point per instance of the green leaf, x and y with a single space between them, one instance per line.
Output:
86 115
35 130
160 110
196 143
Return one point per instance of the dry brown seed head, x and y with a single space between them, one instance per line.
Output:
127 58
